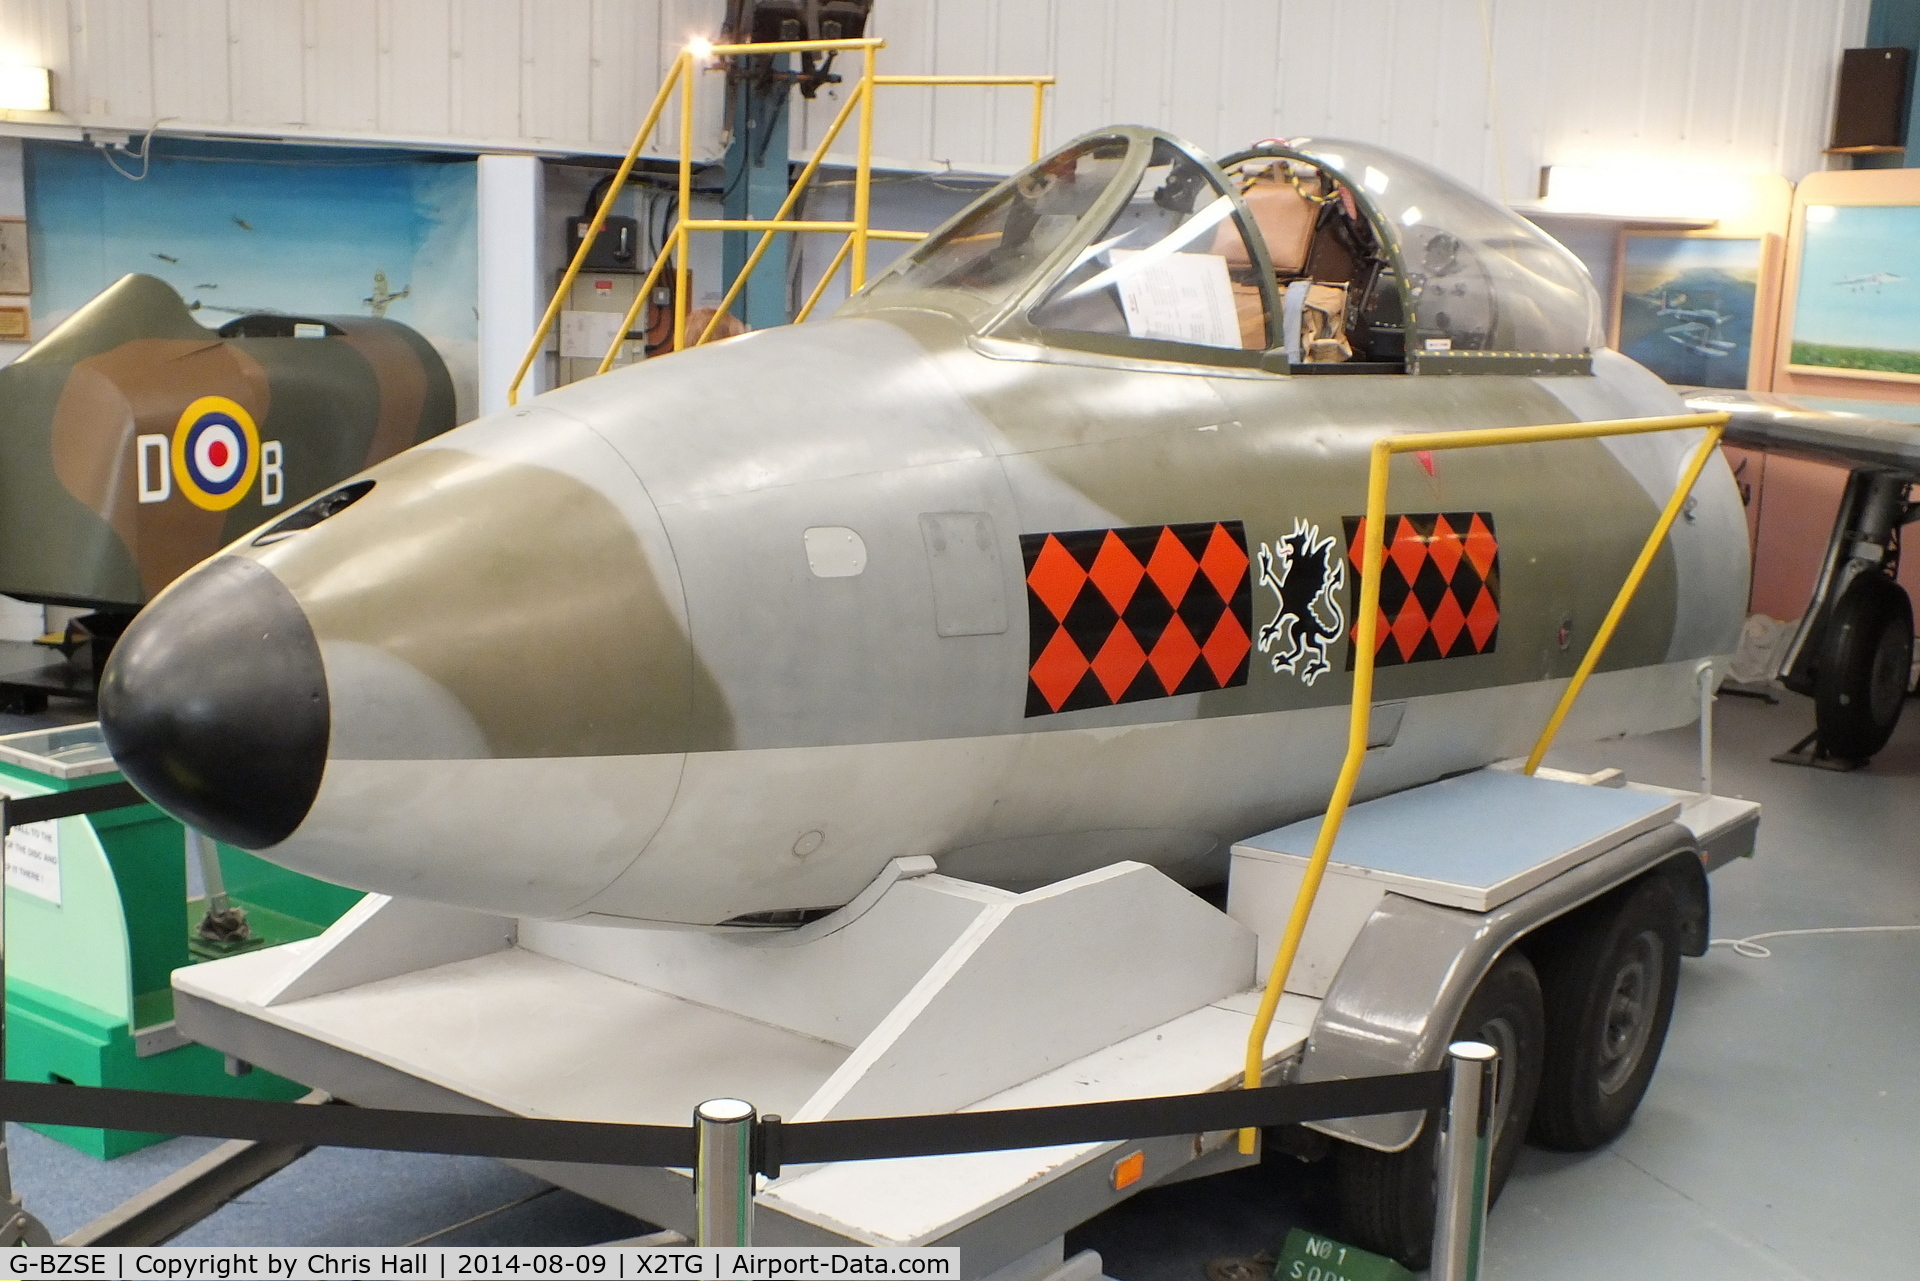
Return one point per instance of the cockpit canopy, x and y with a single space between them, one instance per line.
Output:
1311 255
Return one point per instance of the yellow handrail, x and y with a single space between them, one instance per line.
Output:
786 207
826 278
857 229
1366 639
593 228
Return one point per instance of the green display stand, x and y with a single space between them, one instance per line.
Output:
97 920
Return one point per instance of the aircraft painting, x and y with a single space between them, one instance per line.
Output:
1871 280
1699 327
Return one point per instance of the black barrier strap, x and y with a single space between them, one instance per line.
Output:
447 1133
81 800
874 1138
604 1143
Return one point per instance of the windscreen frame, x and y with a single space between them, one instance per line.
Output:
1009 319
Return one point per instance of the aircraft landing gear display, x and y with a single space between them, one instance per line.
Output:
1853 652
1866 661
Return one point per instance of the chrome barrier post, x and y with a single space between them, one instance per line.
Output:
723 1172
1704 676
1466 1151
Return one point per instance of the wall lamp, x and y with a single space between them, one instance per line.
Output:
25 89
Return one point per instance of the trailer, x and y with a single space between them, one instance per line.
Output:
1546 914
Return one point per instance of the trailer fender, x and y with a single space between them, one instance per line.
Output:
1398 994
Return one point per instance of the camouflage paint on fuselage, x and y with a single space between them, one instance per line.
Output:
580 660
75 527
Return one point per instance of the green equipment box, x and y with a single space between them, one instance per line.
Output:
97 919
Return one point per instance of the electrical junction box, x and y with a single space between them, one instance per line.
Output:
590 322
98 918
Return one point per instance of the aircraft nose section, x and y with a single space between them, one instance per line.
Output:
214 704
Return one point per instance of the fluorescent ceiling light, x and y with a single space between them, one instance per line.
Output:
1647 189
25 89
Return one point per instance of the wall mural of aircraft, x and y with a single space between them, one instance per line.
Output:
1871 280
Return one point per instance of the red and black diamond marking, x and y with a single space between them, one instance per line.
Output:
1439 587
1118 615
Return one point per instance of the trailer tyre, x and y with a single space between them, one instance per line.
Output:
1387 1198
1866 661
1608 974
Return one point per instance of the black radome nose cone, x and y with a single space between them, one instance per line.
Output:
214 704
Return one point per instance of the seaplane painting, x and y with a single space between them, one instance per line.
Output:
1687 306
1698 329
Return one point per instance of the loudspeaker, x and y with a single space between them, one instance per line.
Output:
1870 110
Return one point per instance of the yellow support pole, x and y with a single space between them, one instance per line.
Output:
1625 597
1366 640
897 235
768 225
681 283
1039 110
794 46
786 207
821 288
863 174
1038 81
593 230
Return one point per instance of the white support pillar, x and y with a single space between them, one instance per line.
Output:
512 294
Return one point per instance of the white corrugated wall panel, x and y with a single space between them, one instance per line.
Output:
484 87
415 68
903 120
1022 46
342 65
1249 61
556 82
624 68
190 60
1741 83
264 62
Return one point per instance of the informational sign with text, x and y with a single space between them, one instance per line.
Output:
33 860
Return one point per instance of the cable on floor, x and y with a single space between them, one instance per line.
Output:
1750 945
484 1214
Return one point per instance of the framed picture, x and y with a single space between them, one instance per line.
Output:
1698 309
14 276
1856 302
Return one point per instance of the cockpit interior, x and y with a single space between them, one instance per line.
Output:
1296 257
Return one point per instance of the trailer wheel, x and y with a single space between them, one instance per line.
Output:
1387 1198
1608 974
1866 661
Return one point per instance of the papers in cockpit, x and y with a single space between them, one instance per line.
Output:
1176 297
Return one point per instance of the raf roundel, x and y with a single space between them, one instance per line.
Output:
216 452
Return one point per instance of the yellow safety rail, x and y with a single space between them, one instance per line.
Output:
1373 557
857 229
